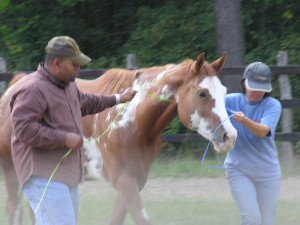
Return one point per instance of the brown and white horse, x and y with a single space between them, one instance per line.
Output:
129 135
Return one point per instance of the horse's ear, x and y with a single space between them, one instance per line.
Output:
219 63
200 61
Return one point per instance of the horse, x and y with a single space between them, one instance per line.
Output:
129 135
13 205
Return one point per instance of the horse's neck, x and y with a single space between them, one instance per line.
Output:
89 86
155 118
157 108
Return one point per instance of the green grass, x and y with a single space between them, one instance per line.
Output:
175 210
164 211
186 166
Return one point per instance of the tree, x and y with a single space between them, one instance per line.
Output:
230 36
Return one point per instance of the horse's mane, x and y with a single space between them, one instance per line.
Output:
115 80
186 67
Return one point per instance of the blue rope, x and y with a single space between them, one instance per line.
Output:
221 166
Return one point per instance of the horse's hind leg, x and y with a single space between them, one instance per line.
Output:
128 199
14 196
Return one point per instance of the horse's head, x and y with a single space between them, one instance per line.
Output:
201 103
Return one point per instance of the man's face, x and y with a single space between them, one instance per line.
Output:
67 70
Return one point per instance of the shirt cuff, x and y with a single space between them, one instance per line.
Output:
117 98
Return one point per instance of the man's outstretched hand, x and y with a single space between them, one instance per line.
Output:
127 95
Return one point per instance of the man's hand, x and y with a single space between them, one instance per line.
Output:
127 95
73 141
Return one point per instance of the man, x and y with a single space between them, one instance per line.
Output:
46 115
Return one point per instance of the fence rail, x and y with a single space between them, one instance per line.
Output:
226 71
177 138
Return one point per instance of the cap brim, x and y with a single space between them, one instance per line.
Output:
254 86
80 59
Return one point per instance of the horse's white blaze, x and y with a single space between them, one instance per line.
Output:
144 214
218 92
94 160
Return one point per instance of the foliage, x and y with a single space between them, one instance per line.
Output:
172 33
158 32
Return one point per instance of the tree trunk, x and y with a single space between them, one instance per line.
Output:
230 38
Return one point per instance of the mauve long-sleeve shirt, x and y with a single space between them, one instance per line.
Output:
43 112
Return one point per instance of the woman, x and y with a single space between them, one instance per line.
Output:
252 167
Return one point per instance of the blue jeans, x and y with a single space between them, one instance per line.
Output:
59 205
256 200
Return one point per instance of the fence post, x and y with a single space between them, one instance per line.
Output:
131 62
2 69
286 116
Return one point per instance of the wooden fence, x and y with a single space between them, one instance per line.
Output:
233 73
230 73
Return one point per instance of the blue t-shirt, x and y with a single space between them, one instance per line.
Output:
253 156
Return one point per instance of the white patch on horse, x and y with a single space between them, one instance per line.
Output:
7 92
94 161
218 92
164 73
144 214
127 112
198 123
166 92
108 118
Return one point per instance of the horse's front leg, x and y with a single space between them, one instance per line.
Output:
129 200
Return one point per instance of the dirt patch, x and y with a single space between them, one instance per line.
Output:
196 188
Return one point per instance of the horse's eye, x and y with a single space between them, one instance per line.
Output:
202 94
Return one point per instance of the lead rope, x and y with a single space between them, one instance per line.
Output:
220 166
68 153
160 98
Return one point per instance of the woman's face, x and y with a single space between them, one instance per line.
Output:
254 96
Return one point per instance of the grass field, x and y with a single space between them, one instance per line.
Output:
180 192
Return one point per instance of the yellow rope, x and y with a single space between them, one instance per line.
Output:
160 98
68 153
